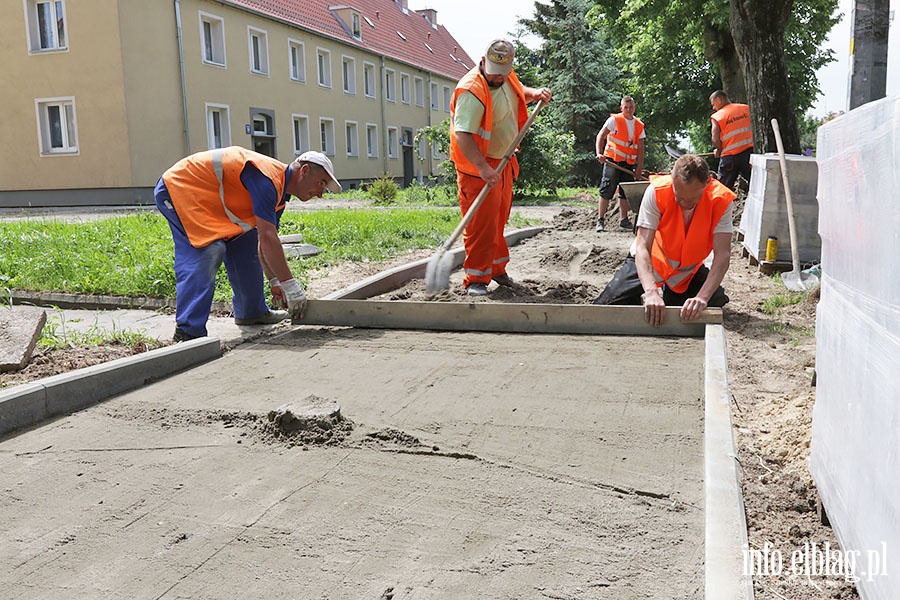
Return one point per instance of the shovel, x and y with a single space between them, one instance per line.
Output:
676 154
437 271
637 176
795 279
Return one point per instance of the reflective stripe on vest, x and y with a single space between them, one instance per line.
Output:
618 146
476 84
217 155
735 128
676 253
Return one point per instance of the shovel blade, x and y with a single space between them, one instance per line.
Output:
798 281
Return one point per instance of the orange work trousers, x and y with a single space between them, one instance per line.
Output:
486 249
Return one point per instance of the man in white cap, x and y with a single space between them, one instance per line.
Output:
224 205
487 111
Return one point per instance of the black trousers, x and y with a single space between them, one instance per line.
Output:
625 288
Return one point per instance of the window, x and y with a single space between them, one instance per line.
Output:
356 25
419 91
323 64
421 148
404 88
390 85
259 51
352 138
393 142
218 128
297 56
56 126
435 149
435 101
369 80
46 25
447 94
326 133
301 134
212 32
348 71
371 140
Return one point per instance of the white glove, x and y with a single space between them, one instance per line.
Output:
277 293
295 297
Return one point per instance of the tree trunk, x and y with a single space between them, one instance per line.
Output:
718 47
758 29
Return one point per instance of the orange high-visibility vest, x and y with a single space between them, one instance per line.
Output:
208 195
618 146
735 129
475 83
677 254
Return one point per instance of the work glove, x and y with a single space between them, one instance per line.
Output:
294 296
278 299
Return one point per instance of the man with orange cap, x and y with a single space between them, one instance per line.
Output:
487 111
683 217
224 205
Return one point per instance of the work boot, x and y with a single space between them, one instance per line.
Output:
269 318
182 336
505 280
626 223
599 226
477 289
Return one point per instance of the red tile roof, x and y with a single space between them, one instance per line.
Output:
430 48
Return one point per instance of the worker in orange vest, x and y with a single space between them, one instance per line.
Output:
620 141
224 205
683 217
732 136
487 111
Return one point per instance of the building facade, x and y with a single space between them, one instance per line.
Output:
103 95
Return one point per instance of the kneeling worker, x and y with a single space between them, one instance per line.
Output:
684 216
224 205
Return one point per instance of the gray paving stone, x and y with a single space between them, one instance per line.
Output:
20 330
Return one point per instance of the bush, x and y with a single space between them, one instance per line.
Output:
383 190
546 158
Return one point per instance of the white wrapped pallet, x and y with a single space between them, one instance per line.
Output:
765 210
855 453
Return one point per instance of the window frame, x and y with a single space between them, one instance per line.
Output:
261 53
367 81
352 144
435 99
320 71
328 123
225 134
448 95
301 60
219 23
351 88
393 150
297 119
419 91
34 29
390 85
372 152
404 90
68 127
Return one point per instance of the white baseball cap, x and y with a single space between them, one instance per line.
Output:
498 58
323 161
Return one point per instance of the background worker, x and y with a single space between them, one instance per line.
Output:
621 140
732 136
684 216
224 205
487 111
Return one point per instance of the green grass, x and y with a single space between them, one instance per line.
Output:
57 335
774 304
133 255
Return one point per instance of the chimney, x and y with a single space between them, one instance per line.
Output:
431 15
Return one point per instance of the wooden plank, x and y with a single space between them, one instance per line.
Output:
501 317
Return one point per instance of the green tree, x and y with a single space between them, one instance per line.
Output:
575 60
763 52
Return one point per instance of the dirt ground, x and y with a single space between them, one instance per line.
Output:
771 359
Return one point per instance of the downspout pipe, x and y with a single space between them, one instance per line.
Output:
384 131
184 100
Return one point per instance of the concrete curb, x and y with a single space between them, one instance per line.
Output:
28 404
726 526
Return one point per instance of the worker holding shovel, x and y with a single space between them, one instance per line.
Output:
487 111
684 216
223 205
620 149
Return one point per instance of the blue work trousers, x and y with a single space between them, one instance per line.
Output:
196 268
